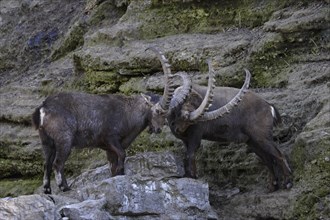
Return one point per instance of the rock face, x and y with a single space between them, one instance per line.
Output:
138 195
27 207
99 47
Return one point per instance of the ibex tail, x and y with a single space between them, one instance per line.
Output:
276 116
36 118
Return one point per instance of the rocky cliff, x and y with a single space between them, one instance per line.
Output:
153 188
99 47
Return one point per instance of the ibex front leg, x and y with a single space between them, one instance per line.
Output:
116 157
113 161
190 163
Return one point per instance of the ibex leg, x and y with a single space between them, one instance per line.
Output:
190 163
63 151
281 161
115 146
113 161
49 155
273 158
268 161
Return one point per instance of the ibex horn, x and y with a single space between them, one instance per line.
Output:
169 87
231 104
208 96
182 92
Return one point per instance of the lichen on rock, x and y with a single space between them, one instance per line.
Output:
57 45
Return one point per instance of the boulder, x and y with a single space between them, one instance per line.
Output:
149 190
157 165
88 209
28 207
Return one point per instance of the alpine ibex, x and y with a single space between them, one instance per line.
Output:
209 113
110 122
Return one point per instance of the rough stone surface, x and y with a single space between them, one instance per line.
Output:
99 47
27 207
88 209
95 195
154 165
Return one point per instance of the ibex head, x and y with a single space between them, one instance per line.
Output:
186 106
193 108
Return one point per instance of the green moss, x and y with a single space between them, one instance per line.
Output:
73 40
224 166
148 142
18 187
106 11
204 16
270 64
133 85
17 161
299 157
312 175
82 159
100 82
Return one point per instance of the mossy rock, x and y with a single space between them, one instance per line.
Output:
133 85
232 165
176 17
18 161
18 187
162 142
73 40
100 82
107 11
271 62
83 159
312 175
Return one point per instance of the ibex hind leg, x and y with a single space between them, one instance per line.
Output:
49 155
280 163
267 160
276 161
63 151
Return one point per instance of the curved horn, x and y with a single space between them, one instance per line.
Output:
231 104
169 87
206 103
182 92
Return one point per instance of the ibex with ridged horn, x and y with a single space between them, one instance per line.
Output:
110 122
225 115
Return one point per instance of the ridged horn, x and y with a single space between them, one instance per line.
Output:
182 92
206 103
169 87
231 104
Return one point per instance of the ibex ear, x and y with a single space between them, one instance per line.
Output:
147 99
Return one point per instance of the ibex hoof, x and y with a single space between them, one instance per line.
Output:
47 191
289 185
189 175
64 188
